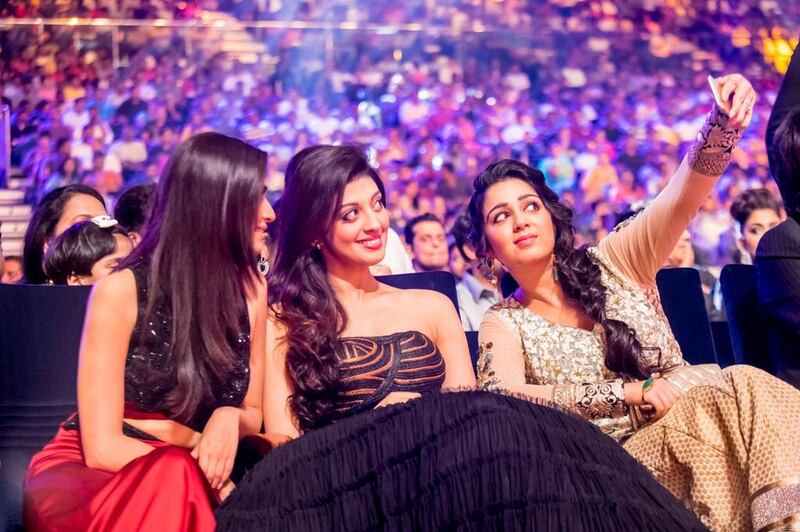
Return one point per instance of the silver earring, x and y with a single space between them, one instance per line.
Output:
263 265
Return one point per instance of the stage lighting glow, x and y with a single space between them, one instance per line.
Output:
491 101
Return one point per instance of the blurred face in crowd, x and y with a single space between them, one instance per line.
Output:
457 265
12 271
429 246
44 144
759 222
682 255
106 265
358 235
518 228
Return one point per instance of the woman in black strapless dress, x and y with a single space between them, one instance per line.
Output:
341 345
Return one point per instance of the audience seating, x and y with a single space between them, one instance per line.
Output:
442 282
39 339
682 299
723 345
747 327
472 343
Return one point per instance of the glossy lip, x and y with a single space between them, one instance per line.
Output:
373 243
525 241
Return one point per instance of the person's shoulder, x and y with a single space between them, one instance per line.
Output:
425 300
783 240
122 282
116 293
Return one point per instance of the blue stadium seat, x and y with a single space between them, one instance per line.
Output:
442 282
682 300
40 334
747 328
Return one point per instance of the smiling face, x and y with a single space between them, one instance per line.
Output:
358 235
517 226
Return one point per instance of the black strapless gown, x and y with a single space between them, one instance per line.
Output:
449 460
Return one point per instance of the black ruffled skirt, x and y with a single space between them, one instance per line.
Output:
462 460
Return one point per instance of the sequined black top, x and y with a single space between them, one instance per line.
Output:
150 371
370 368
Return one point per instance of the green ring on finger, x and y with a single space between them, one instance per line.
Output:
646 385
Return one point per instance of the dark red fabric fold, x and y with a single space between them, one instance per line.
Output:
164 490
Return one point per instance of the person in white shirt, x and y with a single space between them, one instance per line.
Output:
76 118
131 152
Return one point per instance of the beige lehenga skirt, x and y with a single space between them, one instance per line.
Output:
730 449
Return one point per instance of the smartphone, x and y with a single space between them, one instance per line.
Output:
724 106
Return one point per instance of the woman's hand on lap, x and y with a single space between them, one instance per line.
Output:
217 447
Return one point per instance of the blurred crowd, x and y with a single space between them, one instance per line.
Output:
602 96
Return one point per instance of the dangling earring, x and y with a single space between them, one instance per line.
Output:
317 245
487 267
263 265
555 267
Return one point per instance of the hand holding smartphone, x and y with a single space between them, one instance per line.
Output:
724 106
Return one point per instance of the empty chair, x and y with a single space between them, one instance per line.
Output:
747 327
39 339
682 300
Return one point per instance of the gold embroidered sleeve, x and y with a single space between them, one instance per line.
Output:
712 151
487 377
593 400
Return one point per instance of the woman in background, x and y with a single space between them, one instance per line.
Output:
58 210
86 252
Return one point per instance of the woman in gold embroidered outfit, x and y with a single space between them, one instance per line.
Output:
586 331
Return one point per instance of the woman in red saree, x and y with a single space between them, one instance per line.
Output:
171 359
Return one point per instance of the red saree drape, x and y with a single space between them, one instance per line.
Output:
164 490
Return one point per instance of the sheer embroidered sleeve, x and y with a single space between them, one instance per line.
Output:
639 247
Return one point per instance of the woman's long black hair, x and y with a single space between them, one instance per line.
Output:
199 244
300 292
578 275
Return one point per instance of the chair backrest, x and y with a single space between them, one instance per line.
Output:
40 331
748 334
682 299
442 282
472 343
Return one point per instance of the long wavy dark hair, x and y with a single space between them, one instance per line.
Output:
199 245
578 275
42 228
300 293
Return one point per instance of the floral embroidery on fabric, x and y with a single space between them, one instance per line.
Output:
569 357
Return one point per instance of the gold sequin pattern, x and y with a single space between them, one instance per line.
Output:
776 505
